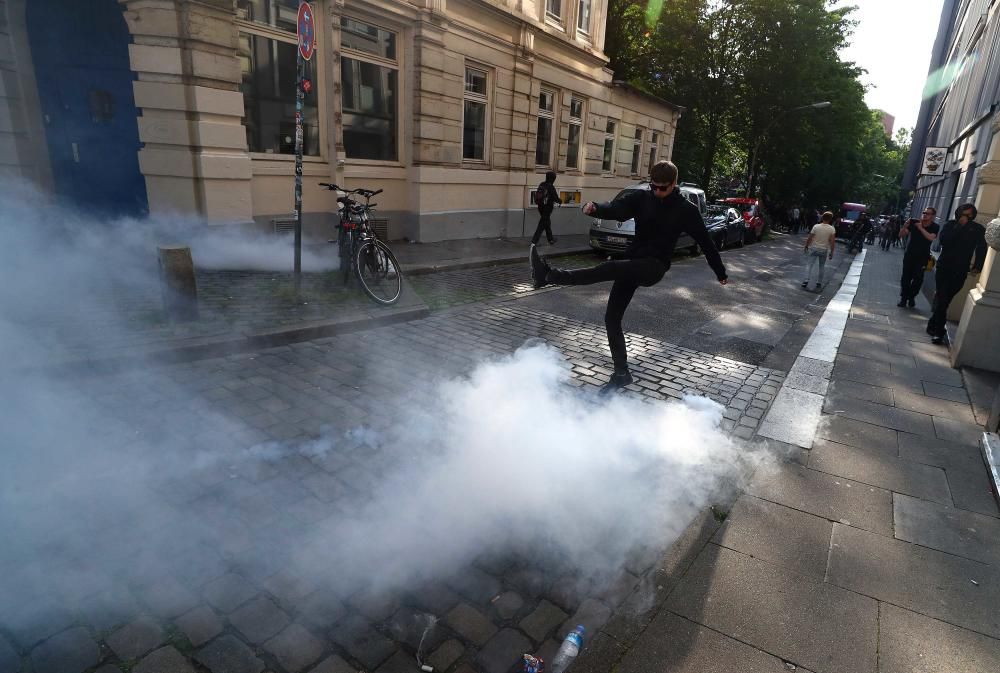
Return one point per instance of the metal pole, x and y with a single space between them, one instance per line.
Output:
299 97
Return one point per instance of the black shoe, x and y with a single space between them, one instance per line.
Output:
910 303
539 269
938 340
805 283
818 287
902 303
553 241
617 381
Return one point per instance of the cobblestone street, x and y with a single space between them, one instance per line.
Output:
212 583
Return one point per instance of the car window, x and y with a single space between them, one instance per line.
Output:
625 192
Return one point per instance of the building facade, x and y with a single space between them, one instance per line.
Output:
960 119
456 108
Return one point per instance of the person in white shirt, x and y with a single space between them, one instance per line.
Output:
819 247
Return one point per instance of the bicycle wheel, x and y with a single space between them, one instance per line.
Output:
345 240
378 271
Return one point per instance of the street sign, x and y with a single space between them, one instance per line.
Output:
306 31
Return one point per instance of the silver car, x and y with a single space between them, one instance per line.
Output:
611 237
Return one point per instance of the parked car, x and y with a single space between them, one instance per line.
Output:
611 237
849 214
726 227
751 215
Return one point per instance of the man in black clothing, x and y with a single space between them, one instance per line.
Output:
961 238
861 229
922 233
546 197
661 215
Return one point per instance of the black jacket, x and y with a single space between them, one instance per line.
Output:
959 244
547 210
658 225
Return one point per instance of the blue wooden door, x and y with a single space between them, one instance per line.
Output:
80 52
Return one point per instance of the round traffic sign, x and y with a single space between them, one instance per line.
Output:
306 30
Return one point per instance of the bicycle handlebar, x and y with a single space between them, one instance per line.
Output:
367 193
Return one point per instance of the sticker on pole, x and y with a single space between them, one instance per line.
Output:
307 31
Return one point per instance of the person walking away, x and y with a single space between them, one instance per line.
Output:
796 223
883 235
921 233
819 247
546 197
961 238
661 215
861 228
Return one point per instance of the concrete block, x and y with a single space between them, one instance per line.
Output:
672 644
777 534
927 581
827 496
876 468
811 623
856 433
912 643
973 536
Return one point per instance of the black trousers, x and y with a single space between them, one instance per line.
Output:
628 275
948 284
913 276
544 224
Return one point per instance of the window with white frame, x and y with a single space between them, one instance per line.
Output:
575 132
369 70
553 9
654 140
475 114
583 17
543 136
636 151
267 52
608 159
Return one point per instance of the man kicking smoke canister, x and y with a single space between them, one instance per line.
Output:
661 215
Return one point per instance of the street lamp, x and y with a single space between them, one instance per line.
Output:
777 117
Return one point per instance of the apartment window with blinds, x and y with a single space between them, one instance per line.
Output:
575 132
607 161
543 136
369 71
267 54
653 141
636 151
475 109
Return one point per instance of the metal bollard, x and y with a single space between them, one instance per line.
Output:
177 283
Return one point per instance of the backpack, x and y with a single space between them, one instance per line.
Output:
543 196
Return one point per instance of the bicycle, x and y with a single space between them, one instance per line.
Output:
361 250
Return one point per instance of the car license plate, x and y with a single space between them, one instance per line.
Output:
617 239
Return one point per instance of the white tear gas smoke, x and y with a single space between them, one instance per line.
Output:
132 492
512 459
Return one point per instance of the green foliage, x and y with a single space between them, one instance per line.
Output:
740 67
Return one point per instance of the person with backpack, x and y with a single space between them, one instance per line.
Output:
546 197
661 215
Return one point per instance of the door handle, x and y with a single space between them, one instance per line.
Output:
76 152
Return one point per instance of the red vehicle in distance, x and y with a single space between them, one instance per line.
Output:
751 213
849 214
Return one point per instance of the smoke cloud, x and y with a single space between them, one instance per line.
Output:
133 492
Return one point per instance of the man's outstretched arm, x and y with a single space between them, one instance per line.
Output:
696 227
620 209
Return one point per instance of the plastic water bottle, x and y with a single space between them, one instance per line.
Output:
568 650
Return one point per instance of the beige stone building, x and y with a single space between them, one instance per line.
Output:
455 108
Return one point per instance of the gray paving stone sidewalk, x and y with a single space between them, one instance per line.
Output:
876 549
225 593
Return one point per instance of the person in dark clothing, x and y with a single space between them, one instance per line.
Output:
961 238
922 233
546 198
861 229
661 215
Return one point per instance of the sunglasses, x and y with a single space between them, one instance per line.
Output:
659 188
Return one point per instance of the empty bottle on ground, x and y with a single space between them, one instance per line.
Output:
568 650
